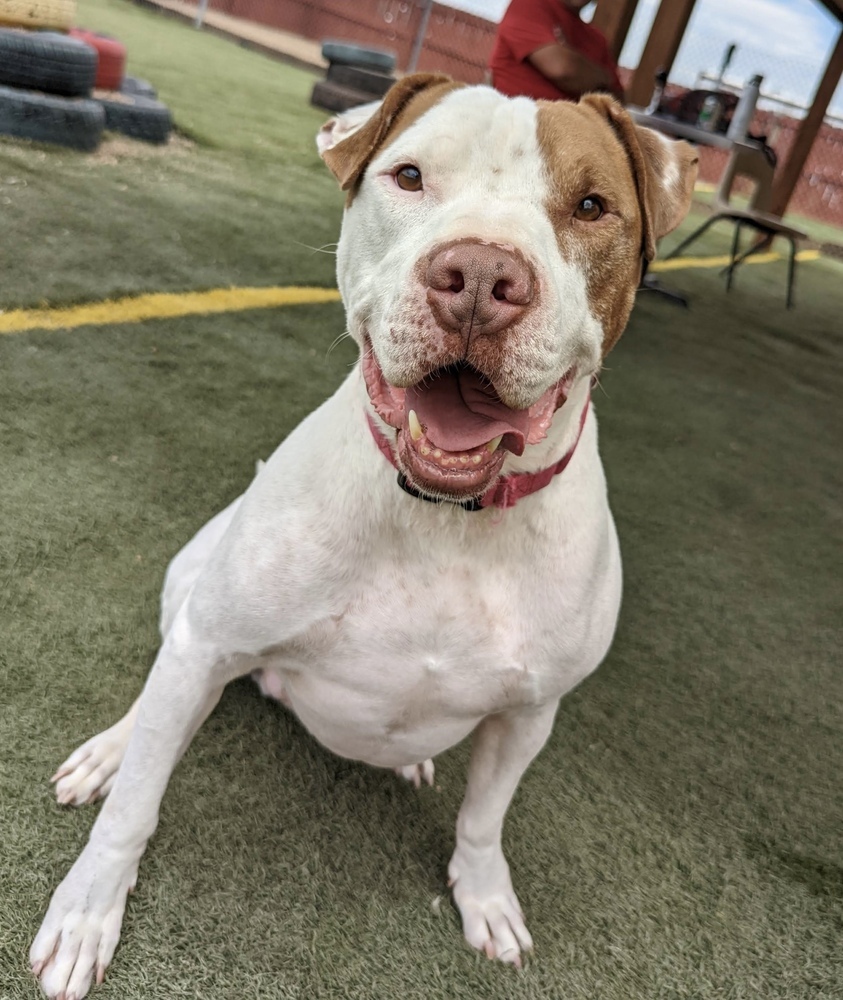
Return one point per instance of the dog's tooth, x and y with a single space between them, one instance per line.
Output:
492 446
425 450
476 459
415 427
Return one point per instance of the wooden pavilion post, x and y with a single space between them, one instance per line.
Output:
660 50
613 18
788 174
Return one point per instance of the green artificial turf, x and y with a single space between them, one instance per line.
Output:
817 230
245 203
679 837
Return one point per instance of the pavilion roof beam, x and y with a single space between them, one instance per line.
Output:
789 172
613 18
835 7
660 50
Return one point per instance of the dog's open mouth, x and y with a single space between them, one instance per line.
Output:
454 432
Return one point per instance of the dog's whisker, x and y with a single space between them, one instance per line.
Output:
337 342
323 249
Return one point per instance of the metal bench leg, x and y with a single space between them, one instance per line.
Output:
791 271
694 235
734 262
651 283
758 247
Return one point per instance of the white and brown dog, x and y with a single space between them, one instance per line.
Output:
490 253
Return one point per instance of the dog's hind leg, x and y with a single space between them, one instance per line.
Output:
417 773
89 772
271 685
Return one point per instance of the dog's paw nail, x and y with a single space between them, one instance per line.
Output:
37 967
489 948
100 974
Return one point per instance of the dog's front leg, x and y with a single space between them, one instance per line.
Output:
82 926
503 747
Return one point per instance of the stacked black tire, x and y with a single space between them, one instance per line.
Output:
47 82
136 113
355 76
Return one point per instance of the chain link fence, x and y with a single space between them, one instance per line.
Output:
430 36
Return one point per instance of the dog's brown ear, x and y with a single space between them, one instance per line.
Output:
664 171
358 141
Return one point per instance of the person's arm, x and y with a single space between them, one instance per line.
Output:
572 72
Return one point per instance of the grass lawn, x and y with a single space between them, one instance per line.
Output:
678 838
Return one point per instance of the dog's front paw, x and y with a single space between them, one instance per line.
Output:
492 919
82 927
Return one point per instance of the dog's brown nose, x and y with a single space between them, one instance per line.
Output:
478 286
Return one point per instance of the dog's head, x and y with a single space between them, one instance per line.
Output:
489 257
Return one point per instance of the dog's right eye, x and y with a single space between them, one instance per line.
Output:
408 178
590 209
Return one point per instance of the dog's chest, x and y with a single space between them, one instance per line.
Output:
416 658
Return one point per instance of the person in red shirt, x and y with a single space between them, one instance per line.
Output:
543 50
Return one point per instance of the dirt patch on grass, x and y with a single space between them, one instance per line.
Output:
116 148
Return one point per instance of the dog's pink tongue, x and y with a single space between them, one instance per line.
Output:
459 412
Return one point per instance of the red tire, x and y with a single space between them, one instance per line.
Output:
111 58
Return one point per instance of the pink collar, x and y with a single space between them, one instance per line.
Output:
508 490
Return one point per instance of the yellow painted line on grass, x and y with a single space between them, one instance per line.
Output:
165 305
162 306
679 263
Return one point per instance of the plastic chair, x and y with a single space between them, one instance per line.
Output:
748 161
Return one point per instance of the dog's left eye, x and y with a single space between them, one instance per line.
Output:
408 178
589 209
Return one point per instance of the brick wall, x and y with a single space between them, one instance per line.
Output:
455 43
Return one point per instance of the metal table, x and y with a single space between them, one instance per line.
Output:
680 130
693 133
